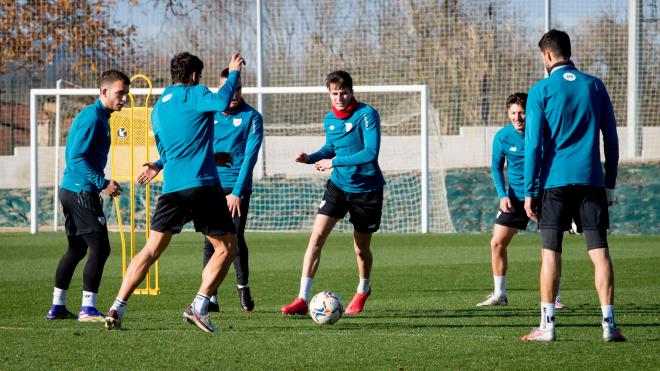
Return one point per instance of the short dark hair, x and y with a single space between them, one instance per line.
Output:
516 98
110 76
557 42
340 78
183 65
225 74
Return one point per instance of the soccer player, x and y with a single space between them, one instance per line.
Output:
566 112
238 132
87 147
183 128
352 132
509 146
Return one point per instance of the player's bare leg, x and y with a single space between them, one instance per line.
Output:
225 249
323 225
139 266
135 272
362 247
604 282
551 261
502 237
603 275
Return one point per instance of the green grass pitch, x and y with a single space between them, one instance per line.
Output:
421 315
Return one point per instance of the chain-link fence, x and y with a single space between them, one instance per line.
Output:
472 54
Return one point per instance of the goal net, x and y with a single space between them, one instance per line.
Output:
285 194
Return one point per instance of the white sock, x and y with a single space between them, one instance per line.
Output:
547 316
120 306
201 303
305 287
59 296
608 315
363 286
242 286
500 285
89 299
214 299
558 292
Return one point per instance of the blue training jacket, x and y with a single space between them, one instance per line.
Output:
182 121
566 112
353 144
87 147
240 133
509 145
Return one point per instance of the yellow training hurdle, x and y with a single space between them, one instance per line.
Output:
132 145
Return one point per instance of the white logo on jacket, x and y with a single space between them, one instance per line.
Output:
569 76
331 127
166 98
513 149
349 126
237 122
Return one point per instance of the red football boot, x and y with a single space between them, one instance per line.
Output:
298 306
357 304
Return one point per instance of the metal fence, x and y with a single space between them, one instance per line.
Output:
471 53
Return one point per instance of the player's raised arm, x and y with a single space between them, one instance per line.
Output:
219 101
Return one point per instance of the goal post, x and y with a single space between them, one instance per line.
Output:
415 195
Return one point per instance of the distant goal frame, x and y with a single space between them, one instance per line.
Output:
57 93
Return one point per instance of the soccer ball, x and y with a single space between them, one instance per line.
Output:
326 308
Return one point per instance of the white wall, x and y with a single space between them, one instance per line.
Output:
471 148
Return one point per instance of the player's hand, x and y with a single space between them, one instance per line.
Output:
234 205
236 62
610 196
530 209
223 159
113 189
323 165
505 205
302 157
149 173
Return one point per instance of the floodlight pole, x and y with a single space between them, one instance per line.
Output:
548 8
548 24
634 145
260 99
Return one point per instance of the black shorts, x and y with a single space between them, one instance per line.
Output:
205 206
365 208
586 205
83 212
517 218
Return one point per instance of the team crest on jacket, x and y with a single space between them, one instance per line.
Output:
349 126
237 122
331 127
569 76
